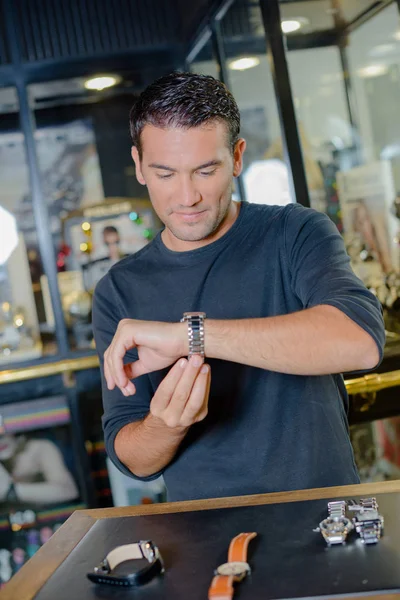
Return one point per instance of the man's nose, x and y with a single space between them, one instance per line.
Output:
188 194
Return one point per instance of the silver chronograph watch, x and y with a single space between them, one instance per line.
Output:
337 526
195 323
367 521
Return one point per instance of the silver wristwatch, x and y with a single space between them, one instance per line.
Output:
336 527
367 521
195 322
335 530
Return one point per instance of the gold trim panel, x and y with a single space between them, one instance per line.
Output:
362 385
45 370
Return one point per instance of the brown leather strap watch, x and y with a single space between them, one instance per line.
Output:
232 571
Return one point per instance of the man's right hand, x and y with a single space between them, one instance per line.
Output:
181 398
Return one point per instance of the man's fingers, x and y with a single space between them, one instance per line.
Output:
196 406
184 388
165 390
121 343
107 375
137 369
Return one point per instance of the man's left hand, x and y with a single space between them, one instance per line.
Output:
159 345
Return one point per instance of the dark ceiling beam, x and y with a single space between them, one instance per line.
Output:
366 15
199 38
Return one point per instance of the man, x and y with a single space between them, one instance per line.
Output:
112 241
285 316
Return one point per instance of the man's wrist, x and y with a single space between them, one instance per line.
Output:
155 423
182 332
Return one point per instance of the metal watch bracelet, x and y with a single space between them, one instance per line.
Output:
195 323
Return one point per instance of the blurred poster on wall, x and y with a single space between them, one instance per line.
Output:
39 486
366 196
70 173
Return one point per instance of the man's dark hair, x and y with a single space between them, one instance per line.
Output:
184 100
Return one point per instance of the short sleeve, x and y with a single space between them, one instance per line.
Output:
119 410
321 271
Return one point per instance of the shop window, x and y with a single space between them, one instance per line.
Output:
346 98
265 173
24 332
99 213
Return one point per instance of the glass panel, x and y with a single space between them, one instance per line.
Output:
325 131
350 135
265 174
24 333
371 193
99 212
351 9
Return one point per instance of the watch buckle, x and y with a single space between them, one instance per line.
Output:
103 568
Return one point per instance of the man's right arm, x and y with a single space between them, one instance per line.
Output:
148 446
143 432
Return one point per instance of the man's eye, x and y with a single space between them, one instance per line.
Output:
207 173
167 176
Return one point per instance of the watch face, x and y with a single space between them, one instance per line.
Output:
236 569
335 525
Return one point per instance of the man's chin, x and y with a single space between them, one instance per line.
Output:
191 233
194 234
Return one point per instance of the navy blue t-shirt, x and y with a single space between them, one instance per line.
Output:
265 431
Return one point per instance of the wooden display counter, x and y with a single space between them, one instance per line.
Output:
28 582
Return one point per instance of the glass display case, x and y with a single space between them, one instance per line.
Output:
93 239
38 477
346 108
24 335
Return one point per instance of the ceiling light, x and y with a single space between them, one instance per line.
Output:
102 82
247 62
397 35
373 71
291 25
382 49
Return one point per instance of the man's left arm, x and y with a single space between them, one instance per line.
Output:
341 327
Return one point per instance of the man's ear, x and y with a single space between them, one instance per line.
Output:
238 152
138 166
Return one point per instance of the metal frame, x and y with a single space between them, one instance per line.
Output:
19 75
277 45
287 115
42 221
218 45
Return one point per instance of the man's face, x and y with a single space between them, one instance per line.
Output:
189 175
111 238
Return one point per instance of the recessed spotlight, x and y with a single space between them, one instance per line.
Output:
247 62
292 25
382 49
373 71
101 82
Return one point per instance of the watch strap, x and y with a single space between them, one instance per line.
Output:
221 588
222 585
238 547
195 323
337 509
103 573
122 553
